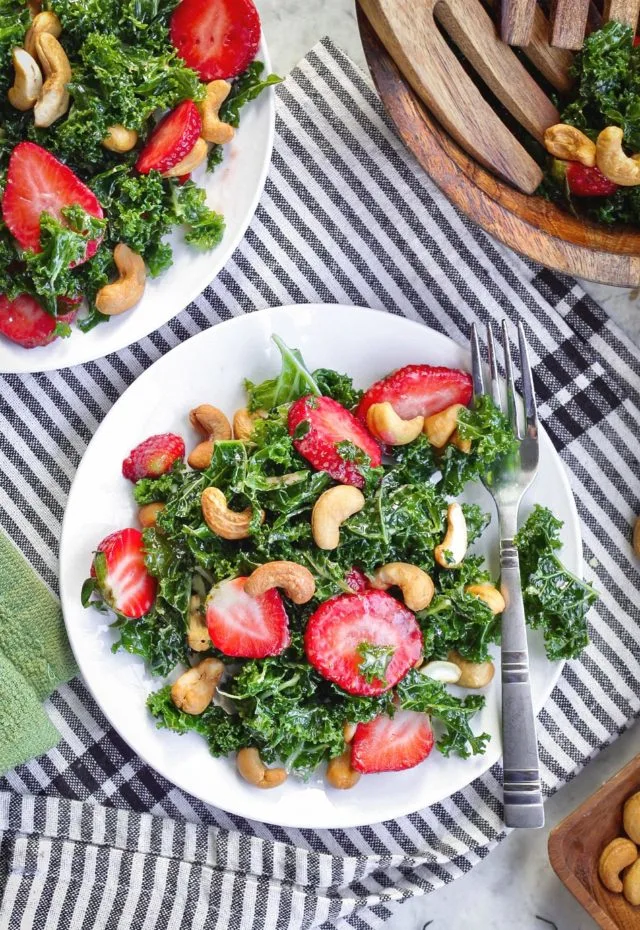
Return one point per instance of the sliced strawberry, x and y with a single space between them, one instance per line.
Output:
172 139
24 321
419 389
357 580
217 38
118 567
317 425
342 628
390 744
244 626
38 183
588 182
153 457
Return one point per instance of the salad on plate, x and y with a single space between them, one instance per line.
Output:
106 109
305 581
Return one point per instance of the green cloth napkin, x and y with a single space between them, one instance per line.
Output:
35 657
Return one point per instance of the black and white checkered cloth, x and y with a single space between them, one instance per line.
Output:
93 838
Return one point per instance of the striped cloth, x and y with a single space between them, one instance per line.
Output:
91 837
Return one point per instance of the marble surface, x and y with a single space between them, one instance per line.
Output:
515 887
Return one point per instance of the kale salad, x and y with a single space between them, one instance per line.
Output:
106 108
306 580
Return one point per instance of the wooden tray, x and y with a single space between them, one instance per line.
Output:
529 224
576 843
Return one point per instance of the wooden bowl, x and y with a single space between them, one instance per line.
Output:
528 224
576 843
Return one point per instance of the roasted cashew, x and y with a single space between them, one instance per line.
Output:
349 730
213 129
339 772
190 162
244 423
332 508
440 427
53 99
631 817
296 581
35 7
388 427
416 586
27 83
631 883
472 674
567 142
447 672
198 637
464 445
120 139
615 857
453 548
224 522
253 770
148 514
194 690
42 22
489 594
611 160
211 423
125 292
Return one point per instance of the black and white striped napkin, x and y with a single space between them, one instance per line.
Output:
91 837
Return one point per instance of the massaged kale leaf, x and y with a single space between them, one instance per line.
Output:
223 732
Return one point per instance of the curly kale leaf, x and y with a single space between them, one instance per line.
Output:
294 381
14 22
450 714
374 661
339 387
205 227
223 732
150 490
555 600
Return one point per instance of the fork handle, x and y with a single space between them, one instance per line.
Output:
523 805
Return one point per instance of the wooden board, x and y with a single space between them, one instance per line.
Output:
576 843
530 225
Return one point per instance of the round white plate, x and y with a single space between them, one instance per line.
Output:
210 367
233 189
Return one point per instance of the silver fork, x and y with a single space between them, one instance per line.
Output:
507 481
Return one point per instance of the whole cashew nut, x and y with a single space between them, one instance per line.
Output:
211 423
194 690
42 22
567 142
611 160
120 139
330 511
631 817
487 593
27 83
472 674
53 99
631 883
453 548
615 857
339 772
447 672
464 445
125 292
198 637
253 770
190 162
388 427
213 129
349 730
440 427
296 581
148 514
244 422
224 522
416 586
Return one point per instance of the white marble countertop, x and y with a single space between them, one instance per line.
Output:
515 885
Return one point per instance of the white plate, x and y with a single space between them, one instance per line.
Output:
233 189
210 367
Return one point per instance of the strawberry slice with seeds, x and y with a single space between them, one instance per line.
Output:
419 390
390 744
365 643
584 181
121 574
357 580
153 457
24 321
243 626
217 38
38 183
318 425
172 139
